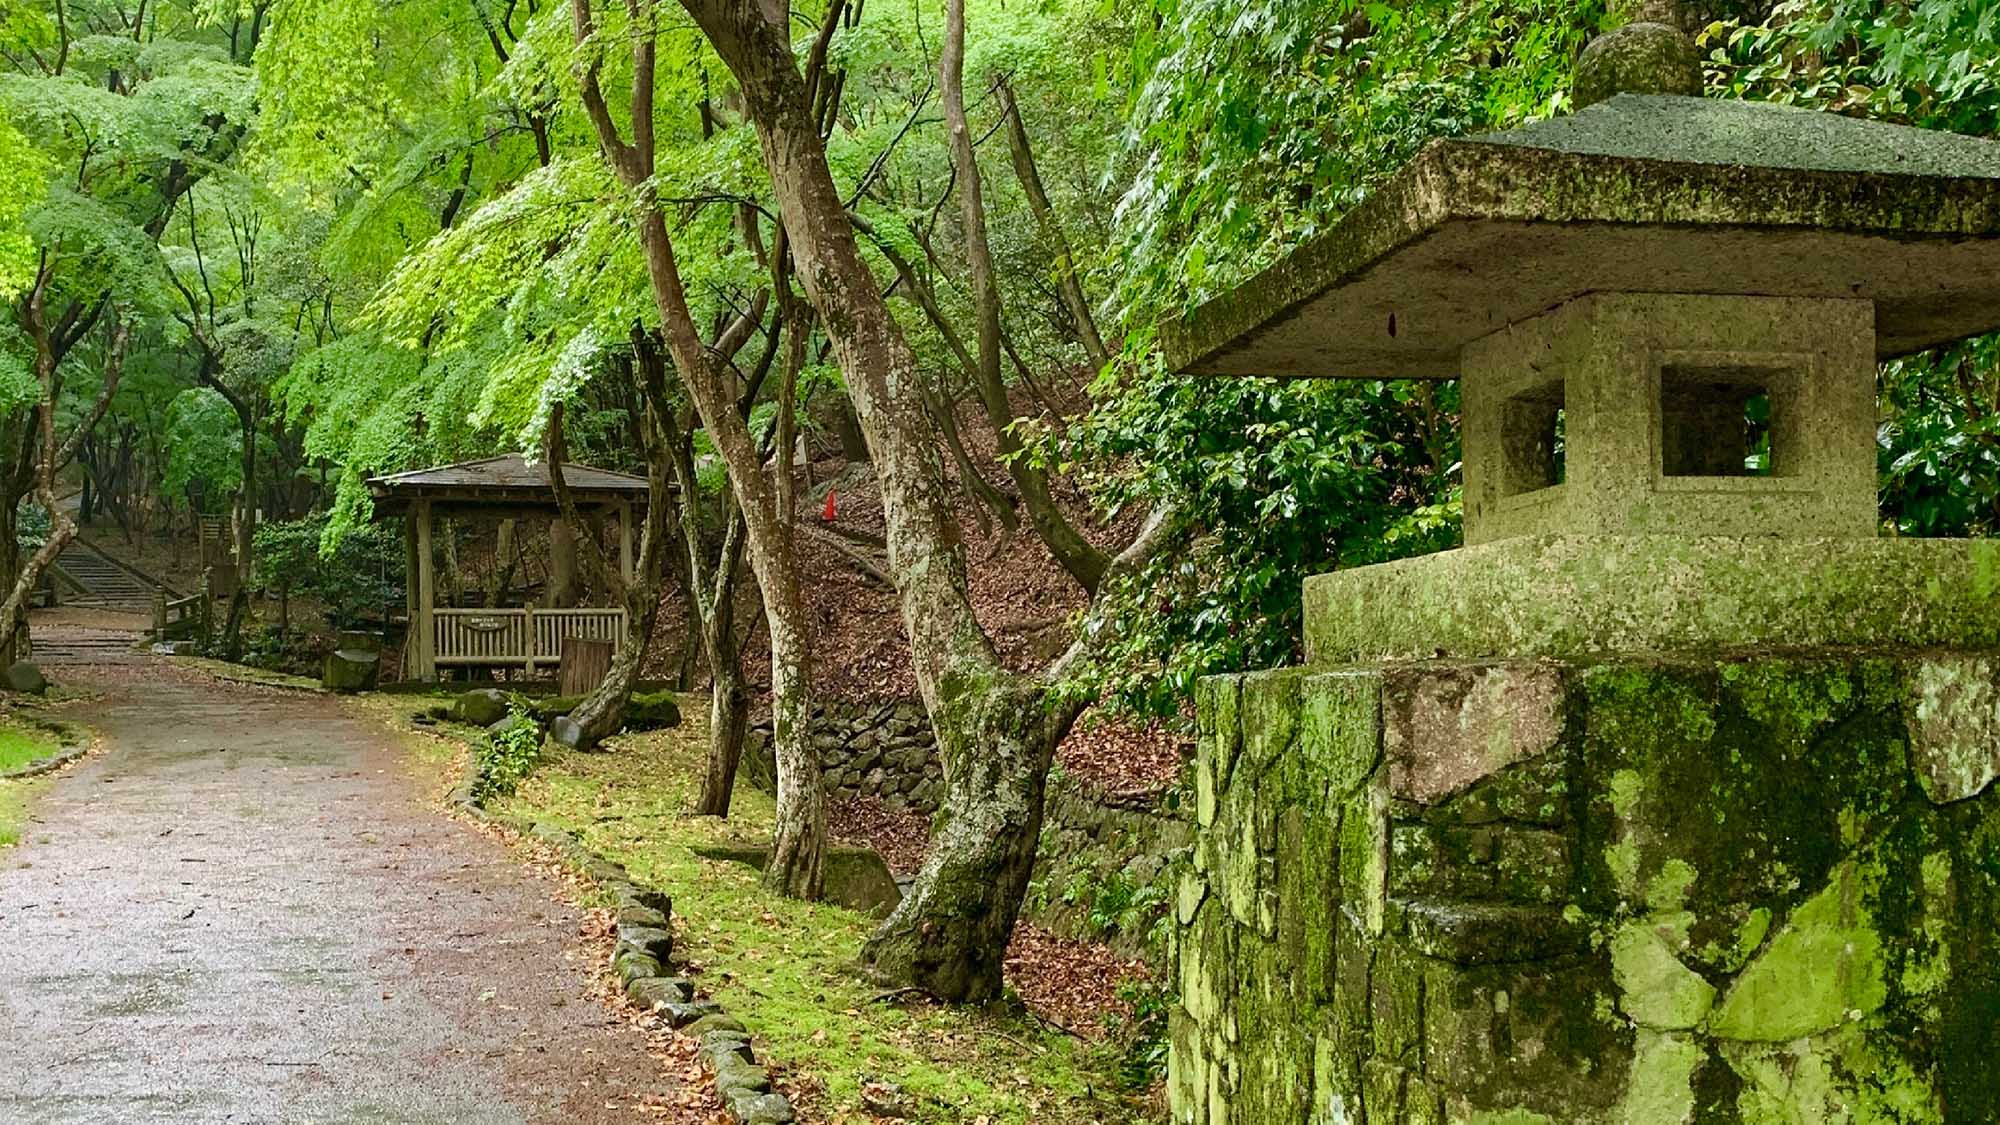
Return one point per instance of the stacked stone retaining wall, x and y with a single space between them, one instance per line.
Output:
1105 867
1745 890
1103 871
867 748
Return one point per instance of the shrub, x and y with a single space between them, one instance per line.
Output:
360 574
509 753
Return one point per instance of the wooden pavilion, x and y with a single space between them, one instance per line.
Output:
524 637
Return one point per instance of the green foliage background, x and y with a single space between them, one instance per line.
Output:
401 247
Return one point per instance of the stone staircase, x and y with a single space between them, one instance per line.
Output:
107 587
107 584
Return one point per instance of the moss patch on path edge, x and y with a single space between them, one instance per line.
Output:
22 745
14 797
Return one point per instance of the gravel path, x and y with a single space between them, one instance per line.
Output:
247 908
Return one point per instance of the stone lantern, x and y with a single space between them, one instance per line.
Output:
1669 797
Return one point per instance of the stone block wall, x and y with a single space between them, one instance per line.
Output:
1105 866
1102 871
1711 890
867 748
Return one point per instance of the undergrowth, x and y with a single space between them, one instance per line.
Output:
787 968
508 754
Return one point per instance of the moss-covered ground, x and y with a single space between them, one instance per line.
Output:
21 744
787 968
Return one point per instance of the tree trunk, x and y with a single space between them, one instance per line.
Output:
728 723
14 647
1078 555
1038 202
49 455
603 713
691 647
562 565
974 483
797 850
834 411
949 935
503 565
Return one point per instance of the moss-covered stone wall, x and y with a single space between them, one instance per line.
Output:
1760 889
1105 867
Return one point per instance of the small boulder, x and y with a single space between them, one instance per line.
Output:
652 711
550 707
721 1021
508 724
481 708
567 732
630 894
762 1109
655 992
349 671
681 1015
733 1074
631 965
653 941
26 676
854 877
632 914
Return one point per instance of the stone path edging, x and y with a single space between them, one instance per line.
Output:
69 752
641 959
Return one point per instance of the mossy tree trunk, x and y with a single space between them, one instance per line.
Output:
997 729
950 933
711 597
796 865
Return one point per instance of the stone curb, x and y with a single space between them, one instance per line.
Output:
73 745
40 766
641 959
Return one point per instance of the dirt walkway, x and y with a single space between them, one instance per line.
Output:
246 909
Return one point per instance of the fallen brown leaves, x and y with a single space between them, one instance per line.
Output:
1071 984
687 1095
1121 757
900 837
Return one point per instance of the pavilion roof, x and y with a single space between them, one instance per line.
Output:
1639 193
510 480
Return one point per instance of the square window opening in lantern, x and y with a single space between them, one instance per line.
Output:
1724 422
1535 455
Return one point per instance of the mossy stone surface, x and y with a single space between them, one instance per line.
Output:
1739 902
1652 390
1636 194
1582 596
1639 58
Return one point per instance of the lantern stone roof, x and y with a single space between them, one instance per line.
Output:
509 480
1639 193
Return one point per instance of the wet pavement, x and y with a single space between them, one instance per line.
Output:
248 907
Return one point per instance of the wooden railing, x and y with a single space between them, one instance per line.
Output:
527 637
175 618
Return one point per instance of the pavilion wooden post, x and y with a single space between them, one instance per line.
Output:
421 619
625 542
